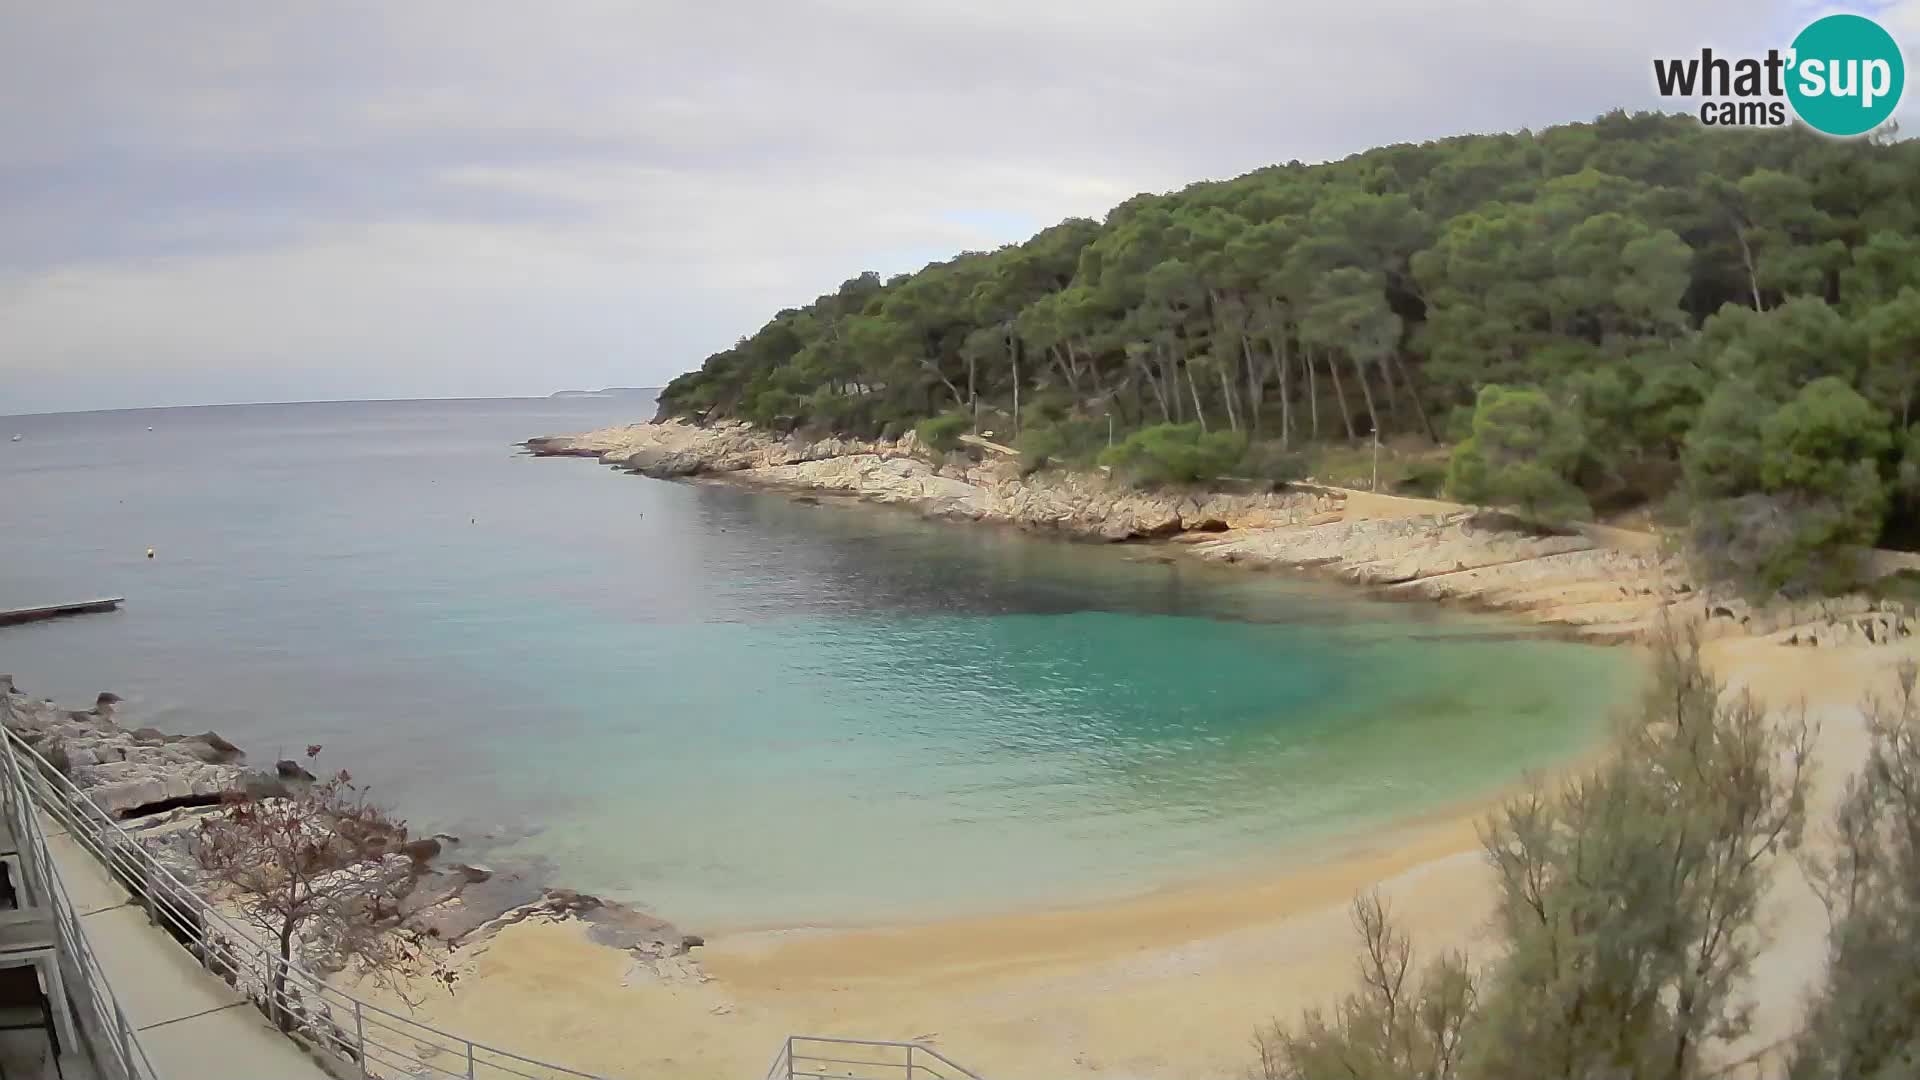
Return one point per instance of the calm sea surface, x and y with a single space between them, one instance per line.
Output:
735 709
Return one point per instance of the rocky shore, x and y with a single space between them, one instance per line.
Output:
158 787
1594 584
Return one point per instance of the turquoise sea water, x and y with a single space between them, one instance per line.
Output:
732 708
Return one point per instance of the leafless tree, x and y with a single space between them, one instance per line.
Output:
312 868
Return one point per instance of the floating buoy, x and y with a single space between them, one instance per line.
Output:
149 553
17 438
149 427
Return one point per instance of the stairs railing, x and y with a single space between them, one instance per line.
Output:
378 1043
820 1057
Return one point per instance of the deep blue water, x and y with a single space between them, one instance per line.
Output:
734 708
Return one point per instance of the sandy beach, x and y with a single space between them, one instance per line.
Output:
1170 984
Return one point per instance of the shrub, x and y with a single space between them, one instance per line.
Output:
1274 464
1521 457
1786 543
1049 406
942 433
1425 479
1789 498
1065 441
1038 446
1628 917
1863 1024
1175 454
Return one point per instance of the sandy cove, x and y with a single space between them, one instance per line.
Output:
1173 983
1168 985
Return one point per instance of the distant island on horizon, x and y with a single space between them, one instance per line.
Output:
611 391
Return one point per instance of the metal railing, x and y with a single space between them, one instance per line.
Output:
353 1033
102 1025
819 1057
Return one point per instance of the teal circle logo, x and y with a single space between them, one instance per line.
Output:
1846 76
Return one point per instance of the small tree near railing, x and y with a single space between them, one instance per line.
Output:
311 868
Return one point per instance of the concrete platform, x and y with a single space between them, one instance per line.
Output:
192 1024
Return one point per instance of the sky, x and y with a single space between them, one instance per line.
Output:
217 202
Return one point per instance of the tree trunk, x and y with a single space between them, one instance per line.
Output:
1195 389
1286 391
1746 256
277 1000
1226 391
1282 364
1159 392
958 400
1313 393
1093 369
1340 395
1393 394
1413 394
1170 375
1255 383
1366 391
1013 354
1066 370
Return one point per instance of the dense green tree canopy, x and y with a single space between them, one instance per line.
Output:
1636 271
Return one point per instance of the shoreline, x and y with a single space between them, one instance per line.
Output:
1386 840
1592 583
1168 983
1174 981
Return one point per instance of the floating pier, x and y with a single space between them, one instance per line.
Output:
10 616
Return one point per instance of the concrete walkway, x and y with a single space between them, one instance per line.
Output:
192 1024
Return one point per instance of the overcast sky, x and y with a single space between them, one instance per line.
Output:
280 201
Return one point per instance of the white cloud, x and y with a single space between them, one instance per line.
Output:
227 201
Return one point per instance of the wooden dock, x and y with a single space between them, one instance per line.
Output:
11 616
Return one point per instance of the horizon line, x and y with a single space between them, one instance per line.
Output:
329 401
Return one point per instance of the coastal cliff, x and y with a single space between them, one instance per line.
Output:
1595 584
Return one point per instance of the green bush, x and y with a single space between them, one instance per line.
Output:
1039 446
943 432
1049 406
1424 479
1788 500
1274 464
1175 454
1520 457
1065 442
1788 543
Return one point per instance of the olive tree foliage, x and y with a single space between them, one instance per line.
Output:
1627 916
1865 1024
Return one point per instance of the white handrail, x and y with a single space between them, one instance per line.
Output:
383 1044
100 1016
826 1057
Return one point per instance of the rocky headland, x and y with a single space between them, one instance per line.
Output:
1593 583
158 787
